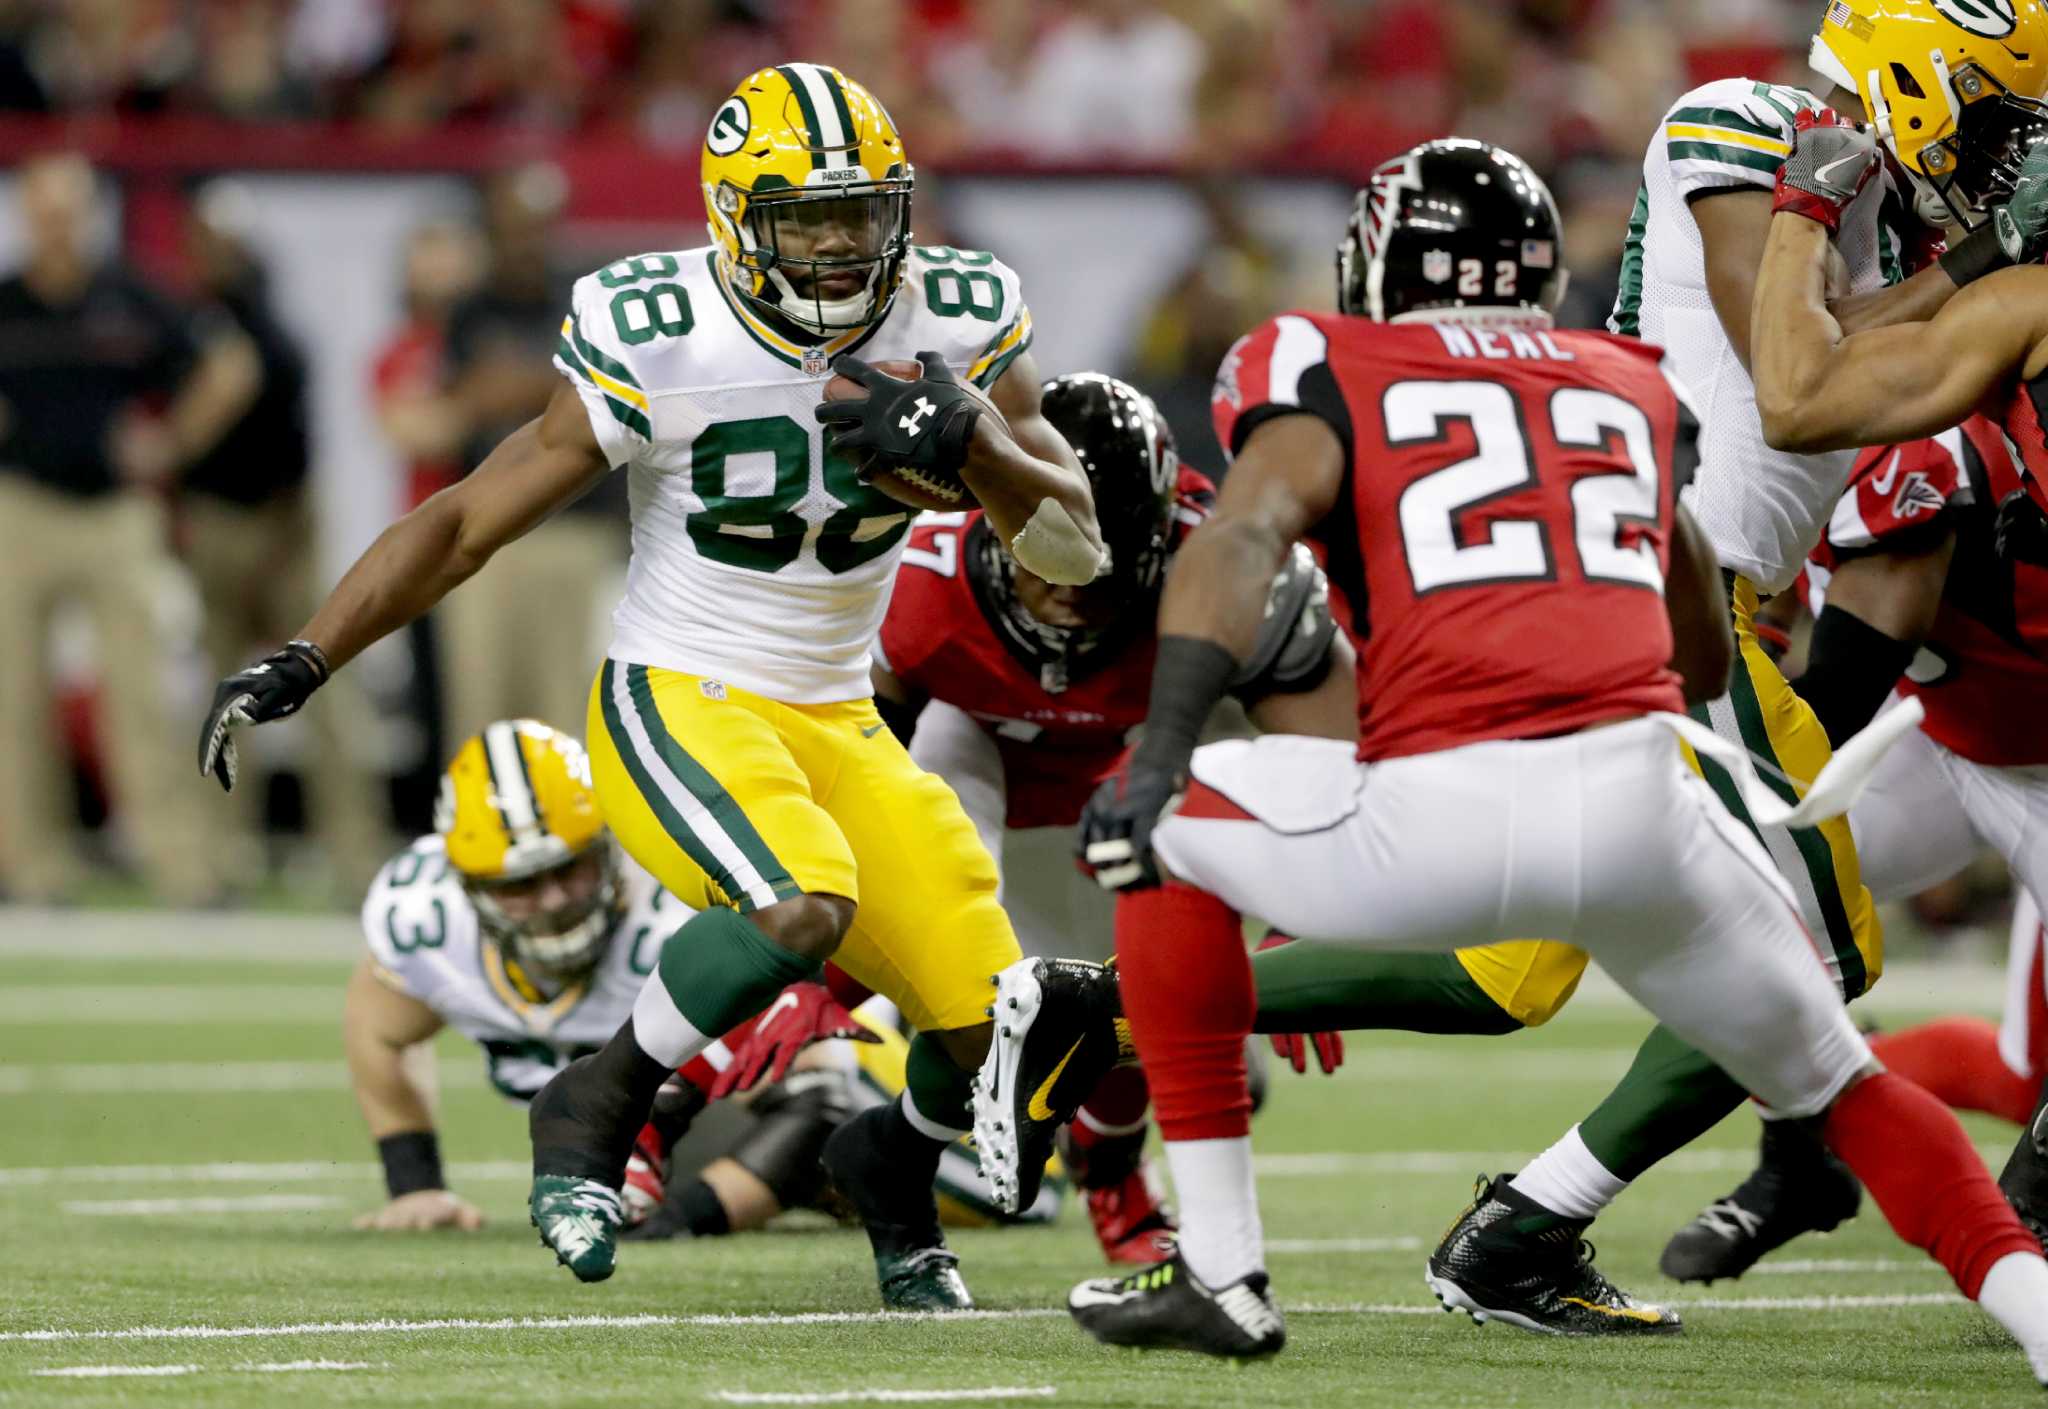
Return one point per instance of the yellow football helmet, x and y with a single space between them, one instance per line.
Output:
522 829
808 192
1953 87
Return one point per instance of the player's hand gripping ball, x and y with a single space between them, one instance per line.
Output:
906 426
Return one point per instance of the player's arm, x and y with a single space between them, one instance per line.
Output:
378 1026
1880 606
897 703
1702 641
1031 487
414 564
1734 226
1820 389
1287 476
1329 711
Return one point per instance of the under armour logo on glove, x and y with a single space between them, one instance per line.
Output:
1115 844
926 424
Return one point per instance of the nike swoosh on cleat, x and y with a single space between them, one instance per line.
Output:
1620 1313
1088 1294
1039 1107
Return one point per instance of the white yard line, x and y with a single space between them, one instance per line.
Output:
253 1203
883 1396
1797 1266
137 1004
857 1318
1314 1245
269 1367
121 1078
300 1172
250 937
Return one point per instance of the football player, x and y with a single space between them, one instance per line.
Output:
1498 501
1953 91
533 943
735 746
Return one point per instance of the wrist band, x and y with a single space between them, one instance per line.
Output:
1975 255
412 1162
1189 674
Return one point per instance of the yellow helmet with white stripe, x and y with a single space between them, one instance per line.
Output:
808 192
1954 88
522 829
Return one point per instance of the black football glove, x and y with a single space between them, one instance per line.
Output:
270 689
926 424
1115 843
2021 534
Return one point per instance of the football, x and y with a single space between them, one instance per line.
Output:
921 489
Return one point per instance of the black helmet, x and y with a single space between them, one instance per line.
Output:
1133 469
1452 223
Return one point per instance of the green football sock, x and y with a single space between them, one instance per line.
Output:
718 969
1670 1097
1310 987
939 1092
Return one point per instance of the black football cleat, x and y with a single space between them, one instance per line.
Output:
2024 1180
1164 1307
914 1268
1798 1186
1055 1037
1510 1259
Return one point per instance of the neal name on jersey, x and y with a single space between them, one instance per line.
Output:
425 942
759 558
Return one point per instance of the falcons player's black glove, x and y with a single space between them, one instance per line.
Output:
2021 534
1115 844
270 689
926 424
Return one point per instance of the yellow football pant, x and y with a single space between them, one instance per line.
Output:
729 798
1532 979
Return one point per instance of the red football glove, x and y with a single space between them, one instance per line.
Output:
801 1014
1832 159
1293 1047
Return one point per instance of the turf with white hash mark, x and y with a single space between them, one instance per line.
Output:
175 1197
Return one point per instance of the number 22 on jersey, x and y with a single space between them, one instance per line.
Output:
1614 509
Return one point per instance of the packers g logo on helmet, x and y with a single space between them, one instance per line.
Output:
1953 87
521 825
807 192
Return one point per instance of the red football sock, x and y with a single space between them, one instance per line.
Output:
1919 1166
1116 1107
1188 994
1958 1060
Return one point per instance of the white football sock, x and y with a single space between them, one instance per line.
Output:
662 1032
2015 1293
1567 1180
1220 1237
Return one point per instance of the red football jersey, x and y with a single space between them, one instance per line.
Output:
1983 673
2027 423
1505 526
1055 745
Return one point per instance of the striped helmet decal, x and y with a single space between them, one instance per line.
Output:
511 786
827 119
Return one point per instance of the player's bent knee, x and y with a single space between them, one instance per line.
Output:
809 926
966 1045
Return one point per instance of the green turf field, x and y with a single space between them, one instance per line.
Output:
181 1158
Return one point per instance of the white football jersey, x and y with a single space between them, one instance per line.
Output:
1762 509
426 943
758 559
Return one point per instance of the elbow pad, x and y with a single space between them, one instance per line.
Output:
1292 651
1052 546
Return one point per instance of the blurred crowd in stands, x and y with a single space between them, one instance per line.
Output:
1205 82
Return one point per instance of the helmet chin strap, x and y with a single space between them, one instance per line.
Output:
828 316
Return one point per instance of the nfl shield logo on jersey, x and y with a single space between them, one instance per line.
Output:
815 362
1436 266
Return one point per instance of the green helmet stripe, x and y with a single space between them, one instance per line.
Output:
803 102
836 87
